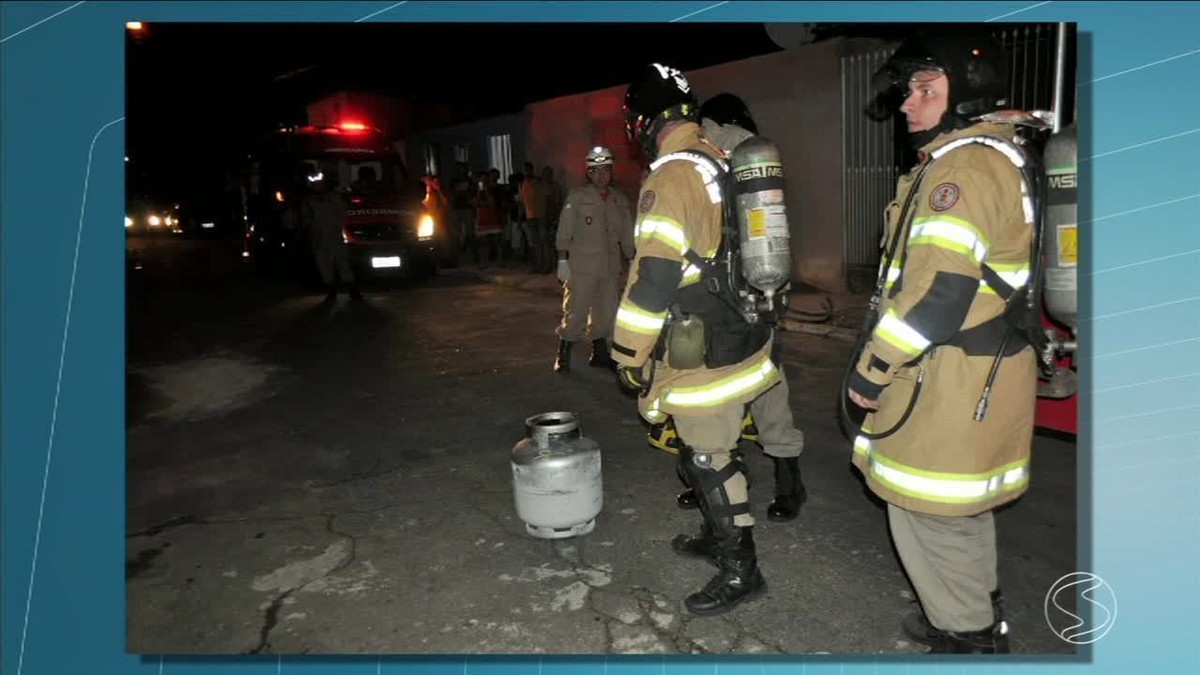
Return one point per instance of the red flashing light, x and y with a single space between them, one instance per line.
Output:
353 126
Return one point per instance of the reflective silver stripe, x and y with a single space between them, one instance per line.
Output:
1015 278
666 230
706 171
722 390
640 321
1009 151
901 335
940 487
1005 147
950 230
691 158
653 414
893 275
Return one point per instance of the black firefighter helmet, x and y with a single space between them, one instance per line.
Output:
728 108
661 94
975 64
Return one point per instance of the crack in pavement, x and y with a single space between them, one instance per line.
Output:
271 615
269 621
649 604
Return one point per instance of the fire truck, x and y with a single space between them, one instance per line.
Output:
391 228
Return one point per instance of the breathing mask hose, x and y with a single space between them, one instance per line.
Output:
870 319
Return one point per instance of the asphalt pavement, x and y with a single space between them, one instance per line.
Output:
305 477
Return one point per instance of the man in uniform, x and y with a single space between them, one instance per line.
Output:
965 243
322 214
726 121
595 234
705 365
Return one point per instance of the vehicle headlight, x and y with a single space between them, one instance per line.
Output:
154 221
425 227
170 220
128 221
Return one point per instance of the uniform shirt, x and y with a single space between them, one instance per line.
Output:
323 215
595 226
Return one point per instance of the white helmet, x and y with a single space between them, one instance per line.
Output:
599 156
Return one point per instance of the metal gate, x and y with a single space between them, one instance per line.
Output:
871 165
873 152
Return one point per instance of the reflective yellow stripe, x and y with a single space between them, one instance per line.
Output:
663 229
948 232
653 414
725 389
893 275
900 335
706 171
691 273
1014 274
637 320
945 488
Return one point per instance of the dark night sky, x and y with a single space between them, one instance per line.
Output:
195 91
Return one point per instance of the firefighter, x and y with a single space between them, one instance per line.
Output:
595 235
943 472
726 121
322 214
707 363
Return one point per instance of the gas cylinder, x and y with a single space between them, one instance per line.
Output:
757 168
557 484
1060 241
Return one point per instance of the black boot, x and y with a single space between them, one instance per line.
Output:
600 356
738 578
789 490
990 640
562 364
917 627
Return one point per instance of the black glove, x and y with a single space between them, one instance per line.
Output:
631 379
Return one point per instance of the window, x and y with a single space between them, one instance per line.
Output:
500 155
462 153
431 159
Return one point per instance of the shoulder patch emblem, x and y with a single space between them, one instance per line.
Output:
646 202
943 196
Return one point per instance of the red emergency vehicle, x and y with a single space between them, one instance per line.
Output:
388 228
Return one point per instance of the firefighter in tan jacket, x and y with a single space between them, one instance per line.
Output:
595 234
942 472
702 377
726 122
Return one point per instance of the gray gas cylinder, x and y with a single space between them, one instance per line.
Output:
557 483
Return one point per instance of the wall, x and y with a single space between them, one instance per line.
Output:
475 136
563 130
796 99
